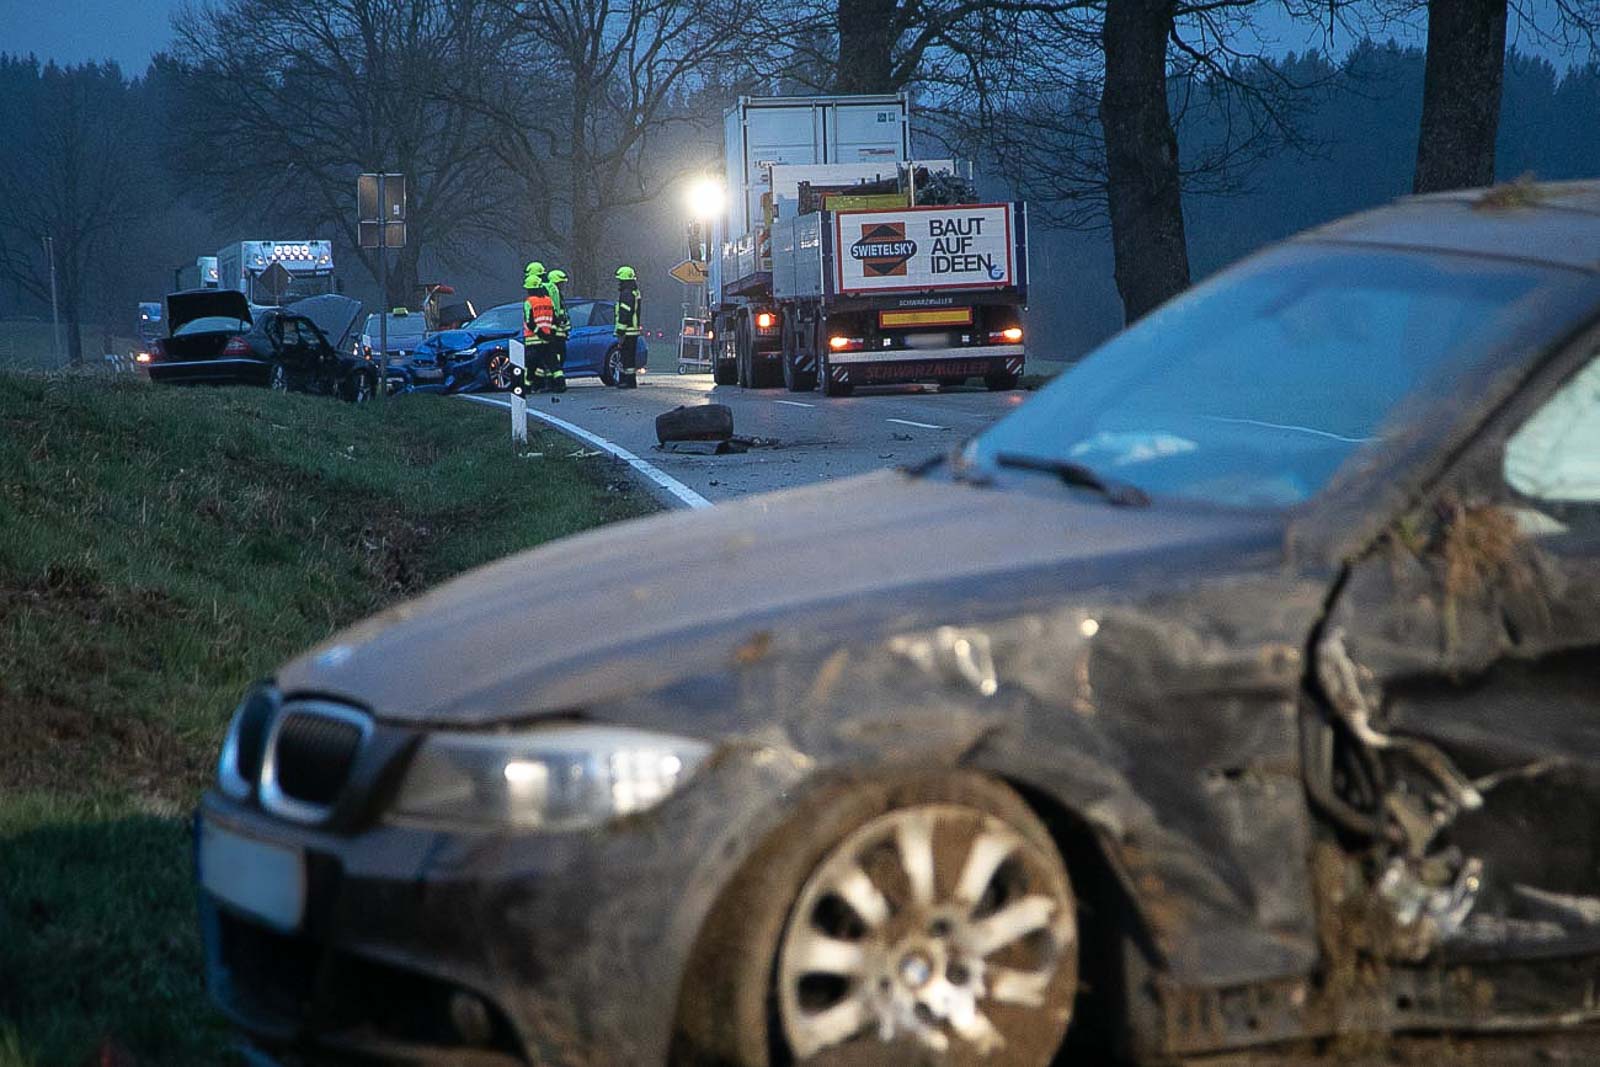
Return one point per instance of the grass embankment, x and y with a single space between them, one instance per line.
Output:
160 549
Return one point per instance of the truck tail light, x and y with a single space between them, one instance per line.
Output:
766 320
844 344
236 346
1010 335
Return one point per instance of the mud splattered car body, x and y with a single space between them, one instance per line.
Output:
1320 753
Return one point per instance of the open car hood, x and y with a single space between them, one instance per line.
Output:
194 304
334 315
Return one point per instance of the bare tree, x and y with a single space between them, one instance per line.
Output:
1144 195
614 103
1465 69
1461 94
69 175
287 101
1086 126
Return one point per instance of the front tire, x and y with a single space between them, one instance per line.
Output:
611 366
934 910
497 371
361 388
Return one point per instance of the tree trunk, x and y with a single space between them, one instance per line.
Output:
1461 94
402 288
1143 194
867 34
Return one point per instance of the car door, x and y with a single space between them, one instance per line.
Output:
581 358
1462 657
597 335
290 346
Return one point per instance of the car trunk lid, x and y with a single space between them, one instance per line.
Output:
228 306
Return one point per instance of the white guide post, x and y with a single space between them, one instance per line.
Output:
519 406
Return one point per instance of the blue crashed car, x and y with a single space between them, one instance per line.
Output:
476 359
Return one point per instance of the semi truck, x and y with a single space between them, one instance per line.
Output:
843 261
243 266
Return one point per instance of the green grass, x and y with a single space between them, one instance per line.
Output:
160 549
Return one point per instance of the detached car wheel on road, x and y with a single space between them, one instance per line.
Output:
1238 689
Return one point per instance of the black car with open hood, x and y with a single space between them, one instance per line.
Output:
218 337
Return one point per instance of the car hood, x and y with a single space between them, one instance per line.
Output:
635 606
455 340
194 304
334 315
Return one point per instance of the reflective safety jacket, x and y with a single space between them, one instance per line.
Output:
562 322
538 318
628 305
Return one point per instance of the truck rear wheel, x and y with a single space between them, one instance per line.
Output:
1000 381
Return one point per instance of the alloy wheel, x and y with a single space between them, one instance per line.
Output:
936 924
498 370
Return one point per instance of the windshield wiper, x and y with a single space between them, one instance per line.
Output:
1077 475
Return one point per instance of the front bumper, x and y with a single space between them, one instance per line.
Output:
472 947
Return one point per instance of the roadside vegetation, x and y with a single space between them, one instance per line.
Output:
159 550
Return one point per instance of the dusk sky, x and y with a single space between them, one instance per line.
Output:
131 31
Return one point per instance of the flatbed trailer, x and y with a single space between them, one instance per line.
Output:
904 294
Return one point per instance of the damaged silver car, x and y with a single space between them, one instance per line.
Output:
1241 688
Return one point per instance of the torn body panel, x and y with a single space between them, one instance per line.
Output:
1462 658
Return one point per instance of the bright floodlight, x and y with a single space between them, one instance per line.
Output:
706 199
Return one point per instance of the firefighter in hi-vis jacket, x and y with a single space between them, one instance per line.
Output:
538 328
627 328
558 337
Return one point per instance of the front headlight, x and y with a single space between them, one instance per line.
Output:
239 763
464 353
556 778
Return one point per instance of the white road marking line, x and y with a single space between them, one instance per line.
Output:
794 403
919 425
679 491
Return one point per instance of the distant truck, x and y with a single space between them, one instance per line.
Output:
201 274
243 265
844 262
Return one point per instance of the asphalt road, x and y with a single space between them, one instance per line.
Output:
799 437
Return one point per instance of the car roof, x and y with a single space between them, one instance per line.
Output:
1555 223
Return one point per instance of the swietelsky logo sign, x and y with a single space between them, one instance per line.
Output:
883 250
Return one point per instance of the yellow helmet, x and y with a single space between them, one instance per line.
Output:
626 274
556 277
532 274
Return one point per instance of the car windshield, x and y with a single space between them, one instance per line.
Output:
506 317
212 324
1255 387
400 326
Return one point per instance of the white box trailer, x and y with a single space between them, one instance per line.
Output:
864 136
762 132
